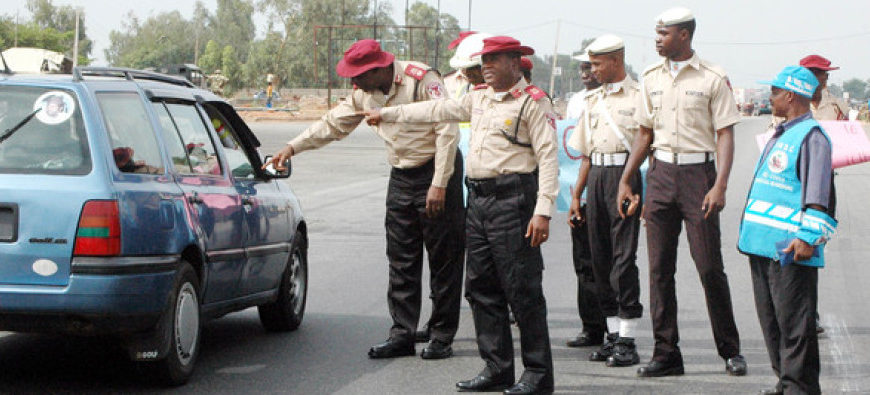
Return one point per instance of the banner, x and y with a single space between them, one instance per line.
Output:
848 139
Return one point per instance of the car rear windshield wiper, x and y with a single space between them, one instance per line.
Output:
17 126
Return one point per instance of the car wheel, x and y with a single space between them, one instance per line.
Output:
285 313
182 326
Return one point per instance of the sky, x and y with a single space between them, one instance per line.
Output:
751 39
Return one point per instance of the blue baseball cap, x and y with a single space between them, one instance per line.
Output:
797 79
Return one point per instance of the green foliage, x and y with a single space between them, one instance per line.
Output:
160 40
211 59
856 88
49 27
231 68
433 42
233 25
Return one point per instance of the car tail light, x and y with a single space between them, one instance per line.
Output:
99 231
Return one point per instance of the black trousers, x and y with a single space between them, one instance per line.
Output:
504 270
587 295
675 194
614 243
408 231
785 299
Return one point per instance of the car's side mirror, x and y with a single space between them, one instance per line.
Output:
274 173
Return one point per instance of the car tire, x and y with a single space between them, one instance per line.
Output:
285 313
182 327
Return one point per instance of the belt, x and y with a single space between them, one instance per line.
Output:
503 184
615 159
692 158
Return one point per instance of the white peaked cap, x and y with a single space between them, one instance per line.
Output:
675 16
605 44
462 58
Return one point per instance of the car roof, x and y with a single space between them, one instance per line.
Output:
161 85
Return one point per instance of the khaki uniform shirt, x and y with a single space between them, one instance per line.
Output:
490 153
409 145
456 85
685 112
593 132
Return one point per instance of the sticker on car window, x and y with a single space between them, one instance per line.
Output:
54 107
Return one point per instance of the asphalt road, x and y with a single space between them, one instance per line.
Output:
342 189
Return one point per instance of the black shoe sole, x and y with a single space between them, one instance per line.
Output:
675 371
493 388
439 355
596 357
614 363
410 353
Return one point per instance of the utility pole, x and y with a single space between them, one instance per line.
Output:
375 25
555 57
437 35
469 15
76 41
16 29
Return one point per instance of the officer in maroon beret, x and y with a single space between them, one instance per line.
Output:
424 198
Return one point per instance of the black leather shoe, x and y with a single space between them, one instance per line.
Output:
736 366
770 391
624 353
585 339
483 383
392 348
437 350
525 388
661 368
421 336
606 349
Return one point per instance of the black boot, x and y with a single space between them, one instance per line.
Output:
624 353
606 349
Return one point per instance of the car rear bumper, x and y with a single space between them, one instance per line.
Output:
104 295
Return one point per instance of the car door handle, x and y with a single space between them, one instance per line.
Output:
195 199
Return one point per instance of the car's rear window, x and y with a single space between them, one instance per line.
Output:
42 132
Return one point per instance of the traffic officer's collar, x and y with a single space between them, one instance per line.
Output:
515 91
694 61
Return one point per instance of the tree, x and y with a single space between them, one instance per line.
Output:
164 39
231 68
45 15
856 88
233 25
212 58
421 14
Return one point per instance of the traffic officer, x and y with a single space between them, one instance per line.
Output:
594 325
457 84
603 136
825 106
785 250
512 181
424 199
466 74
686 114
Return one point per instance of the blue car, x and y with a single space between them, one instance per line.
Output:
133 204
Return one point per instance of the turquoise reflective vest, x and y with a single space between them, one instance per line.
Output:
773 212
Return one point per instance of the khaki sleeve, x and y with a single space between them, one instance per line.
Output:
447 132
644 114
578 138
334 125
442 110
544 145
723 107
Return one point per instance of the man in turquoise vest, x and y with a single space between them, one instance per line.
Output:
786 222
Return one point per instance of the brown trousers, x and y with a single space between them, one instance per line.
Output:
674 195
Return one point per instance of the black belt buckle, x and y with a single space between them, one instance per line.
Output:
481 187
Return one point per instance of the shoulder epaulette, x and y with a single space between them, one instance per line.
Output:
652 67
415 71
480 86
715 69
535 92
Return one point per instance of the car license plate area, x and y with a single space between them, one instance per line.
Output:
8 222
